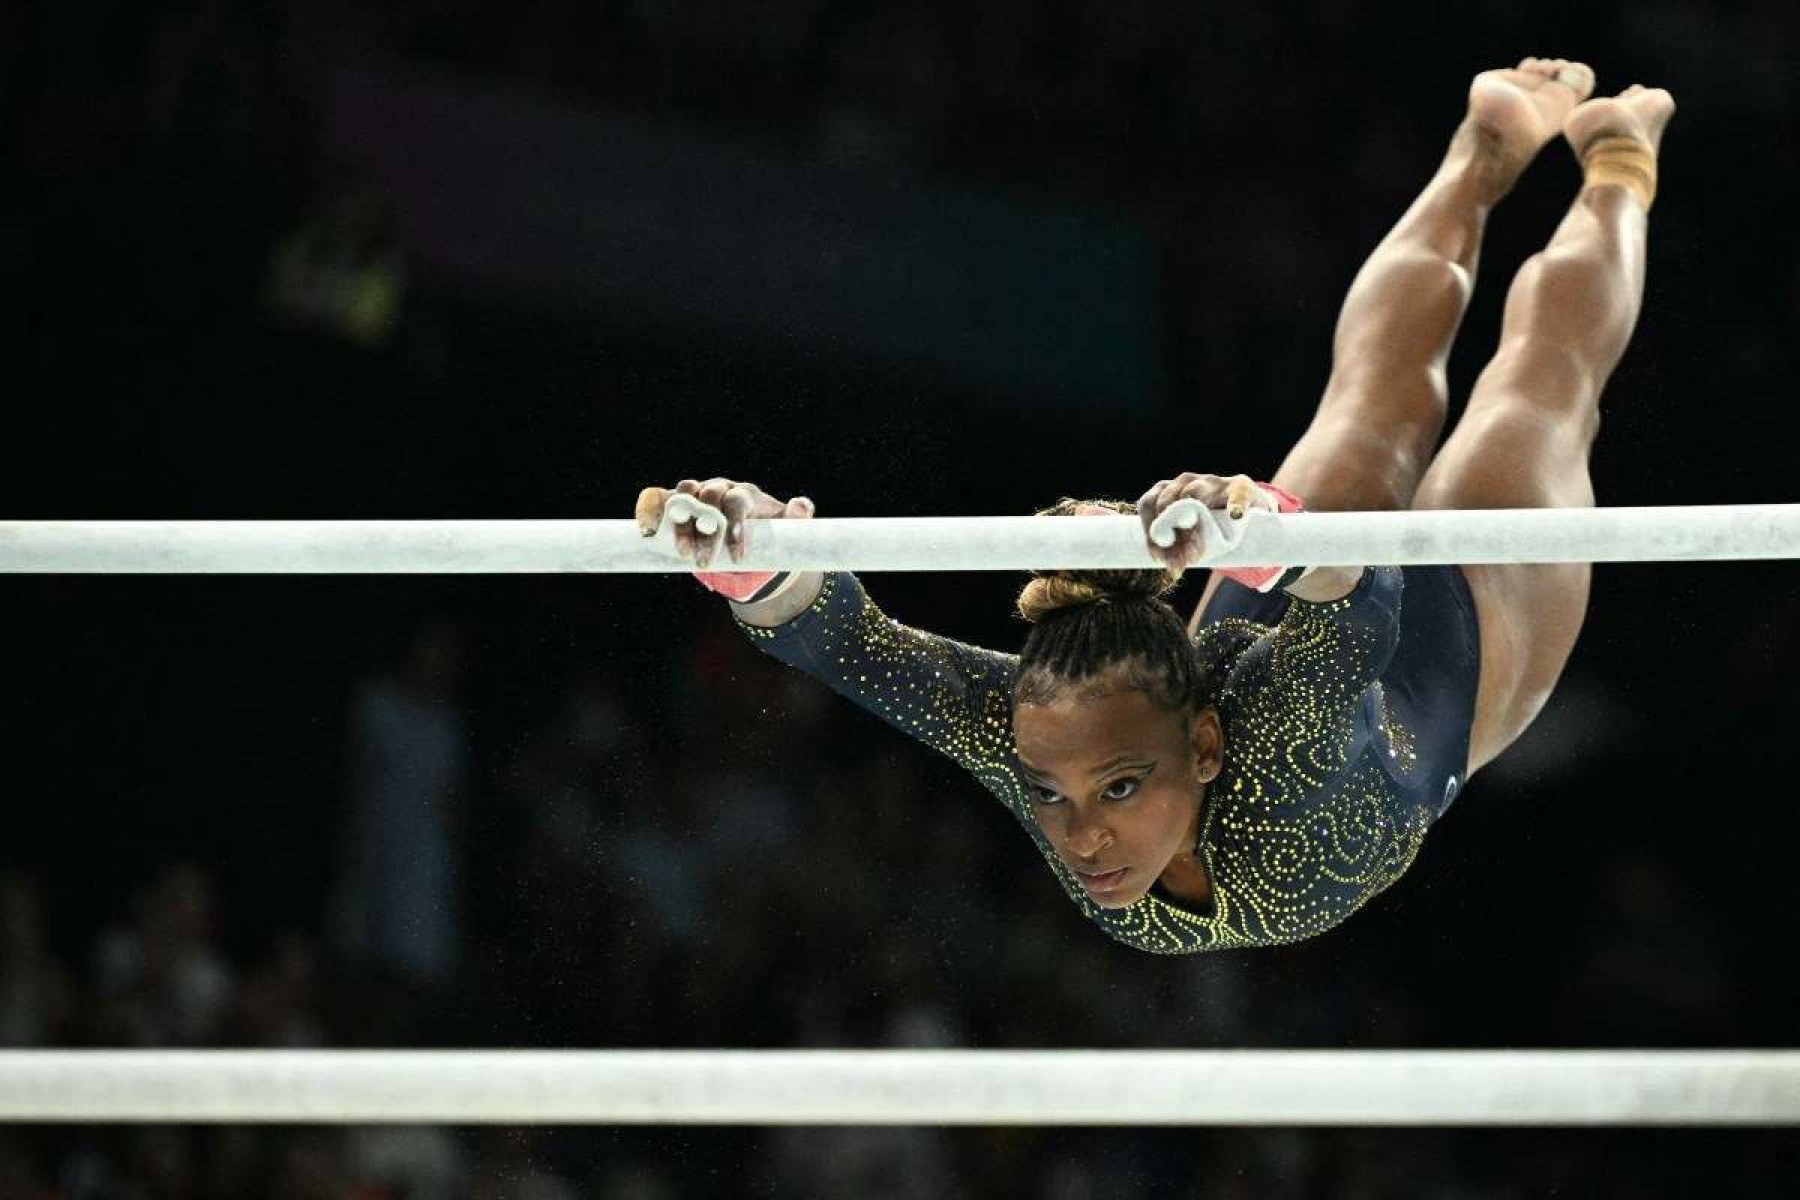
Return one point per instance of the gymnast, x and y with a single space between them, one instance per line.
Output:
1254 777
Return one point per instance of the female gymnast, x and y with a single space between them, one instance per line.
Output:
1255 777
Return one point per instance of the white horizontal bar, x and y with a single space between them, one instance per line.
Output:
1006 543
906 1087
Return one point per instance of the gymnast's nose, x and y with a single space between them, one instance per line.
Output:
1088 838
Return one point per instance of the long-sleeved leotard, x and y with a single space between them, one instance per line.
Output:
1324 797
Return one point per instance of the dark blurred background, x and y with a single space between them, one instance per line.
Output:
332 259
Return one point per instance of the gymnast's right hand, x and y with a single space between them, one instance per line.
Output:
738 501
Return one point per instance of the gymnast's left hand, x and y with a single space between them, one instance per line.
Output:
1232 493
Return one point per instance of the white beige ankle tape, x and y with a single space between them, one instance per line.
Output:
1622 160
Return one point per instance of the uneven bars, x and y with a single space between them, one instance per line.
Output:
905 1087
1002 543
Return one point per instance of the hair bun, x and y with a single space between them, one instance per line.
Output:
1050 592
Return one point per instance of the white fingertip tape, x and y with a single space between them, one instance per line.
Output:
1219 530
682 508
1179 515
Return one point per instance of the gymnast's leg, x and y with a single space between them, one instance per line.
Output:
1531 419
1384 405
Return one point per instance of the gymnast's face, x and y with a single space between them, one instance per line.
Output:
1116 783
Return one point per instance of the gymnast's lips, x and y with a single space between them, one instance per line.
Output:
1101 881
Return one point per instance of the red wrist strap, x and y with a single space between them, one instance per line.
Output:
1267 579
746 587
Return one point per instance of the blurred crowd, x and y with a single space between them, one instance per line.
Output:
675 842
183 140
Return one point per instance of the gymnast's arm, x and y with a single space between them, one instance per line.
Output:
1299 687
954 697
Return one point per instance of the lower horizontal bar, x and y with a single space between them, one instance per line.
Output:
906 1087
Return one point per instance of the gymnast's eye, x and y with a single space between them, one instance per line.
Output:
1130 783
1047 798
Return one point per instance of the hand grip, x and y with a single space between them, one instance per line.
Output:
682 508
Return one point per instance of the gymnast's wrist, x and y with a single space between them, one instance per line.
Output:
793 596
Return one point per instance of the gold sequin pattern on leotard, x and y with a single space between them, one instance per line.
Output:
1294 837
1402 746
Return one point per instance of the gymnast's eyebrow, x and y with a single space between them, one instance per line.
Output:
1115 761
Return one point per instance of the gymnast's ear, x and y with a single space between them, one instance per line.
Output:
1207 739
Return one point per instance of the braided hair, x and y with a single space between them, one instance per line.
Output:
1091 623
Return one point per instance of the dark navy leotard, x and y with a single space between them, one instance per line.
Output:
1346 734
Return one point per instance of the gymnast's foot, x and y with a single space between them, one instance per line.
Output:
1512 113
1637 112
1616 139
